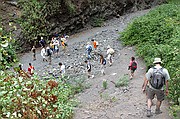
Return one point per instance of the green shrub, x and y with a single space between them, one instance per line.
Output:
97 22
78 84
123 81
33 98
105 84
33 20
157 34
7 52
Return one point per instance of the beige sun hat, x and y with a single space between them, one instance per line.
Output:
157 60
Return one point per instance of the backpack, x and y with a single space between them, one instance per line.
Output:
49 52
111 51
104 61
89 48
157 80
134 65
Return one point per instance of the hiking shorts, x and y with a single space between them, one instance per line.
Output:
159 94
132 71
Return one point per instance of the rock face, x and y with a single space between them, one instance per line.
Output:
76 14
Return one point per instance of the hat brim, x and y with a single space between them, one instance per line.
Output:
157 62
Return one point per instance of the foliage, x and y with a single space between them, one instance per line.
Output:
157 34
33 20
70 6
105 84
30 98
123 81
97 22
174 1
7 54
35 16
77 84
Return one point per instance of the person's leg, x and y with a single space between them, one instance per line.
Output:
110 60
34 56
158 104
149 104
131 74
150 96
160 97
102 69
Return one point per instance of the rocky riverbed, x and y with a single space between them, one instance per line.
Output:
96 103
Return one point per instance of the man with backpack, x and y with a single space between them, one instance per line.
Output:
88 50
110 53
42 42
48 54
132 67
157 77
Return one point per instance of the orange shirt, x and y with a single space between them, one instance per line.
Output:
94 44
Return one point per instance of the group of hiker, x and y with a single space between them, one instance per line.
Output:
154 79
94 46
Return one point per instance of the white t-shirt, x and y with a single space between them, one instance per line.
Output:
62 69
43 51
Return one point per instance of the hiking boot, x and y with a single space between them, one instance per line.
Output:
158 111
149 113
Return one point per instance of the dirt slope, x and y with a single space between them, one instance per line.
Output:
113 103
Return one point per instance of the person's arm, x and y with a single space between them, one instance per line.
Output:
129 67
167 90
167 78
144 84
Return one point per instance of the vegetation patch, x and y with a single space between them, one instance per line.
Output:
97 22
157 34
123 81
7 52
30 98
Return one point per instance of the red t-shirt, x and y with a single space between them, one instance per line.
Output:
30 69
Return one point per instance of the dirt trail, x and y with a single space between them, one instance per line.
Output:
113 103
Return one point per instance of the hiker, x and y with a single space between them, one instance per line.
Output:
62 69
56 47
88 50
49 54
157 77
33 50
95 44
147 86
31 69
110 53
21 72
103 63
88 68
42 42
56 34
51 46
63 43
132 67
43 54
